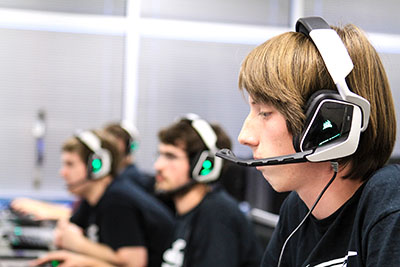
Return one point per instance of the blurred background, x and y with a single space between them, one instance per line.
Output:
68 64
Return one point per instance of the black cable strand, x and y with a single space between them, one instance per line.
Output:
335 167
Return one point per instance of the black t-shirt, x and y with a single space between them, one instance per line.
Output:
132 173
215 233
365 231
127 216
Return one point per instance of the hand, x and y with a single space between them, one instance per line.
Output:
29 206
40 210
68 259
68 236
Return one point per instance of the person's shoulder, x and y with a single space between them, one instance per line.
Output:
380 195
218 210
123 191
130 169
217 201
125 195
219 207
219 198
386 179
121 186
126 191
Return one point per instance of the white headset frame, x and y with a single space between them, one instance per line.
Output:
131 130
339 64
93 143
209 137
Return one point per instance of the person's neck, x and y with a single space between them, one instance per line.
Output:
125 163
338 193
190 200
97 189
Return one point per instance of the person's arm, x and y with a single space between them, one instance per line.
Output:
69 259
132 256
70 236
41 210
124 256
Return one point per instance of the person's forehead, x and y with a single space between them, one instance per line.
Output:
257 102
70 156
168 148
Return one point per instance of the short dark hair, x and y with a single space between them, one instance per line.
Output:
183 135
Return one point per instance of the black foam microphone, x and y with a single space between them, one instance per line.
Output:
286 159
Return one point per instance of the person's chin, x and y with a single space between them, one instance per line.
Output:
259 168
264 169
268 176
160 187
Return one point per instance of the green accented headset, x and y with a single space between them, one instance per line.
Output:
99 162
207 167
133 133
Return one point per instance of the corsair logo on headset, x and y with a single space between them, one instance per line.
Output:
99 162
334 120
207 167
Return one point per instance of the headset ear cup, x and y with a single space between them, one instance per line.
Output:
296 142
201 165
207 167
90 167
194 160
94 166
310 109
100 159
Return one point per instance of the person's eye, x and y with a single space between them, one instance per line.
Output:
167 155
170 156
264 114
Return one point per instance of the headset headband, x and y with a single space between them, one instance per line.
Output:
89 139
130 129
205 131
336 59
133 133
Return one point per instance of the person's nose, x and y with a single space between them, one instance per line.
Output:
248 134
63 172
158 163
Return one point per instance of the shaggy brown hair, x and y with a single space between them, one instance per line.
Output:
287 69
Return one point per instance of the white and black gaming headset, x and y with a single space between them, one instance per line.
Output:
206 167
133 133
100 159
334 119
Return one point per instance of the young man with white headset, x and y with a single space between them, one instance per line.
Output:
211 230
322 125
116 223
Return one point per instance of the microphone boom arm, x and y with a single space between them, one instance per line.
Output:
286 159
